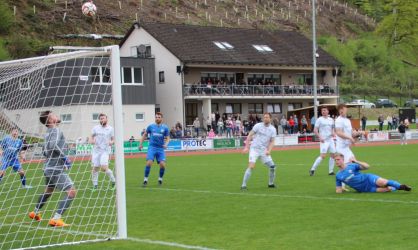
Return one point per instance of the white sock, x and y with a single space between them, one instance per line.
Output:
110 174
57 216
145 178
95 178
331 165
246 176
272 176
316 163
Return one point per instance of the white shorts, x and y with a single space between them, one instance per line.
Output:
100 159
328 146
346 151
257 153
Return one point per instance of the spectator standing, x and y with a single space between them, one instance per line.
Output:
363 122
196 126
296 125
283 123
276 124
313 121
291 124
220 127
402 129
389 120
395 121
380 120
304 123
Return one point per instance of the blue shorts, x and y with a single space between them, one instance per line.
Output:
371 186
156 153
11 163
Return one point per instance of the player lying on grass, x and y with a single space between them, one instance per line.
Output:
350 175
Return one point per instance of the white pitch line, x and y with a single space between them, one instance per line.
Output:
310 197
171 244
105 237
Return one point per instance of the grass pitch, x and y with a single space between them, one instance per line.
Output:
200 204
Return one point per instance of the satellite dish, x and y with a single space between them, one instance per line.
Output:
142 48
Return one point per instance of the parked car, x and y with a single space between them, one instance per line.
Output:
366 104
385 103
411 103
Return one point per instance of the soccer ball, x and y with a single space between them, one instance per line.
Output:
89 9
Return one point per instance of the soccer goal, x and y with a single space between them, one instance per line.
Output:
77 85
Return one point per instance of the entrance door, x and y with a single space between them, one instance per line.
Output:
191 113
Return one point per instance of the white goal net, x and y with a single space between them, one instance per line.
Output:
44 200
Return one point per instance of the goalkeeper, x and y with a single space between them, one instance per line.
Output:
55 165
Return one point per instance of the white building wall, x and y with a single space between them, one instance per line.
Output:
82 119
169 94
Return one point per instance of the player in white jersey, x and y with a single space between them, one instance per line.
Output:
344 133
261 138
324 130
102 136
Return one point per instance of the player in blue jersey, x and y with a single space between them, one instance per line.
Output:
158 134
10 148
350 175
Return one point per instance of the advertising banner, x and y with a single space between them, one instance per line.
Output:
377 136
394 136
174 145
226 143
286 140
196 144
84 149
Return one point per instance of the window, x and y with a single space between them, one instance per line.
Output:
139 117
233 108
157 108
293 106
274 108
134 51
215 107
161 77
100 75
262 48
24 83
66 118
132 75
304 79
255 108
95 117
224 45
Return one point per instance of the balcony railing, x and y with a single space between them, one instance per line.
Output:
257 90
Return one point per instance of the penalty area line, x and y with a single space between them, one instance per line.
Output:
308 197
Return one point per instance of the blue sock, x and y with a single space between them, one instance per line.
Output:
394 184
1 177
162 170
23 180
147 170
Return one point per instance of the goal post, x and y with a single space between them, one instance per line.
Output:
77 84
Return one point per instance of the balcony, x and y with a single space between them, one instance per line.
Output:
257 90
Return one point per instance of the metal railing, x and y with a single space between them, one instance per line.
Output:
257 90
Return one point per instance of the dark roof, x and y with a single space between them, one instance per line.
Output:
194 44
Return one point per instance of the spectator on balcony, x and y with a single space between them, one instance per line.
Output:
304 123
179 133
196 126
363 122
283 123
173 132
291 124
220 127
